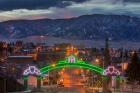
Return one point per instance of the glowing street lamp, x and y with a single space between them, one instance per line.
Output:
53 65
97 60
41 37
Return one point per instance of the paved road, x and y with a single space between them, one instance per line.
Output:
72 89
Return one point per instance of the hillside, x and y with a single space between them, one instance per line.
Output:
87 27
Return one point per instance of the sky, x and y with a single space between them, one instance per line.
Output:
56 9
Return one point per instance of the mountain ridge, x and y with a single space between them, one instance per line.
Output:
86 27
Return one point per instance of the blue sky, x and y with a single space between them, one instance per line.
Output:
55 9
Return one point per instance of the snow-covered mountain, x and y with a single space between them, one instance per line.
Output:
87 27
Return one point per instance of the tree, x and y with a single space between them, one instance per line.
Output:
107 62
10 49
1 49
133 70
106 54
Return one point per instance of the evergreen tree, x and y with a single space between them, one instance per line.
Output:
106 54
133 70
10 49
1 49
107 62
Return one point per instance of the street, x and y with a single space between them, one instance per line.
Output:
74 89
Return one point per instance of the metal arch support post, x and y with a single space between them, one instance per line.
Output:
25 78
39 83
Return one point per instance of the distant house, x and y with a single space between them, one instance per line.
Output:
16 65
21 60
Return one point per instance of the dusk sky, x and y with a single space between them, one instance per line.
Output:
37 9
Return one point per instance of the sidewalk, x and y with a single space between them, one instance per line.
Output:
28 91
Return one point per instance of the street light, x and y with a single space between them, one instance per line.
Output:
53 65
97 60
42 39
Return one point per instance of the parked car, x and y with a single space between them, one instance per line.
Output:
60 85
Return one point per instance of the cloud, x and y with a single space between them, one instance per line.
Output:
34 4
24 14
135 1
44 4
119 7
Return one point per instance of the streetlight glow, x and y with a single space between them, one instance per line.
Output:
97 60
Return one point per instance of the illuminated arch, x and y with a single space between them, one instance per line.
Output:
71 61
32 71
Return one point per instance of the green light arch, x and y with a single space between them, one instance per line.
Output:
76 64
